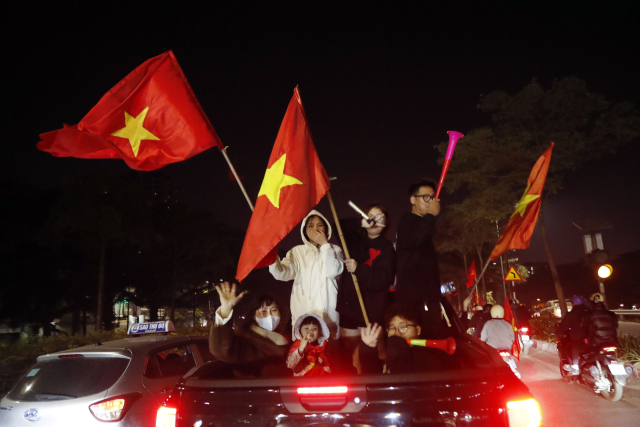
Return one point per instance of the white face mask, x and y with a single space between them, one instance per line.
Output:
269 323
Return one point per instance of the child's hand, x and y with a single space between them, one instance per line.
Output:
370 334
304 341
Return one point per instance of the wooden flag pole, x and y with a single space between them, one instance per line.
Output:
346 253
233 170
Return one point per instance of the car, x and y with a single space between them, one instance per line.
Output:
119 382
475 388
551 309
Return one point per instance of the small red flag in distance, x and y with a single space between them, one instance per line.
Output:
294 183
518 233
471 274
508 316
149 119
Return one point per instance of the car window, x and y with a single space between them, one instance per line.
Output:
203 348
169 362
68 378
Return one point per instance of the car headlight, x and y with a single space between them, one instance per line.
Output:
524 413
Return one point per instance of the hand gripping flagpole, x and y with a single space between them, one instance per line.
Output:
346 252
453 140
233 170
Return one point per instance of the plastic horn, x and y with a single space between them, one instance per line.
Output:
453 140
361 212
448 345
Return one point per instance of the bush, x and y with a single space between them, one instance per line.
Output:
628 348
543 329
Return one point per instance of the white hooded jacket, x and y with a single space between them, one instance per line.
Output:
315 273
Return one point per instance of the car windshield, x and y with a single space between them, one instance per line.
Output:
68 378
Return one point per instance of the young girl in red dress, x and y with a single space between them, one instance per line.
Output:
307 356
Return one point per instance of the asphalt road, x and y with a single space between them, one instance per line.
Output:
575 404
631 328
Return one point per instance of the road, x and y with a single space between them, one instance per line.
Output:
631 328
574 404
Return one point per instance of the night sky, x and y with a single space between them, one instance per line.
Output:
381 86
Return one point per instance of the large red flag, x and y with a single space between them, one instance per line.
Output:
149 119
471 274
518 233
508 316
294 183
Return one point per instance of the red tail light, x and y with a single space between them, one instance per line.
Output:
109 410
323 390
166 417
524 329
505 354
524 413
64 356
609 349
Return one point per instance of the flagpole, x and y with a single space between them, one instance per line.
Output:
346 253
504 284
478 280
233 170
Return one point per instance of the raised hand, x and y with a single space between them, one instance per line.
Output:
370 334
434 207
228 298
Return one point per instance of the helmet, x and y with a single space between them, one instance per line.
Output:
497 312
577 300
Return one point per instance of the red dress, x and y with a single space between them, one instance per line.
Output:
313 362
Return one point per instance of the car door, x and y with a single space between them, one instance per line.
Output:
165 366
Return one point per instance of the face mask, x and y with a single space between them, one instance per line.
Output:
269 323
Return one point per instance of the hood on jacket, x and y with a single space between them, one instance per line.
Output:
304 224
325 329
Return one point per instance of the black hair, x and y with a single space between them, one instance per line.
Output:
408 312
424 182
487 308
304 229
310 320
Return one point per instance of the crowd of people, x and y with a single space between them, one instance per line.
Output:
328 326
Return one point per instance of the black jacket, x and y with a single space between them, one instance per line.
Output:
477 322
602 325
572 324
418 273
375 272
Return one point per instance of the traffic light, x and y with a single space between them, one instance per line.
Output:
605 271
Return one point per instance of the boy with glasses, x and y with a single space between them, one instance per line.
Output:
418 276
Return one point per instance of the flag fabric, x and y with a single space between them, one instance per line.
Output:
476 298
149 119
471 274
294 183
518 233
508 316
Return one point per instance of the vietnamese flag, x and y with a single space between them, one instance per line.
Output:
293 185
149 119
518 233
476 298
471 274
508 316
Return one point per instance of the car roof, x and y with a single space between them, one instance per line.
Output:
128 345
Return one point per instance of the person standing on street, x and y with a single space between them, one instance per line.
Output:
418 277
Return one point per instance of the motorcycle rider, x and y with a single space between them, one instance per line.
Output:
571 326
479 319
601 325
499 334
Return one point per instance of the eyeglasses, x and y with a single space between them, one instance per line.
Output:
426 197
402 329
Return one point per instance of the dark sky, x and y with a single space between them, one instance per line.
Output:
380 87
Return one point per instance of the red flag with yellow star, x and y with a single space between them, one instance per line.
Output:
293 185
518 233
508 316
149 119
472 275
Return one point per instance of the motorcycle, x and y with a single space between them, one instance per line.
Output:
599 369
509 360
524 335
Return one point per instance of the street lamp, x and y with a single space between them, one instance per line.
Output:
605 271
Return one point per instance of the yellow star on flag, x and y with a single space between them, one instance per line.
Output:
134 132
524 201
275 180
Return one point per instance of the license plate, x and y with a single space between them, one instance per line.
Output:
617 369
525 338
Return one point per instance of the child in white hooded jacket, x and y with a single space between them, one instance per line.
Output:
315 269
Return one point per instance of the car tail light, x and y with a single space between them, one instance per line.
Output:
524 413
609 349
524 329
64 356
323 390
505 354
109 410
166 417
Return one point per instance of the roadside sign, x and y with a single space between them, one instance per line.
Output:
512 275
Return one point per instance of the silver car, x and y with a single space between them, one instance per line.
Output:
118 383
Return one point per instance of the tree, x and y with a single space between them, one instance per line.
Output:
583 125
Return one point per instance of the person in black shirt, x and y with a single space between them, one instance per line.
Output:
418 280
